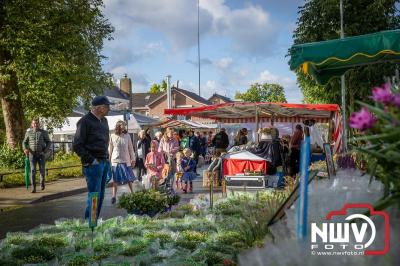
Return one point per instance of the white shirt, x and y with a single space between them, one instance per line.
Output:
121 149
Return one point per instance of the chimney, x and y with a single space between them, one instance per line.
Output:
125 84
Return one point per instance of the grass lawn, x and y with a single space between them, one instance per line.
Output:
17 179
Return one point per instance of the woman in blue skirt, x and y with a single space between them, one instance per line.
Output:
122 158
188 165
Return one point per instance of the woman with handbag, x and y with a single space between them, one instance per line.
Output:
122 158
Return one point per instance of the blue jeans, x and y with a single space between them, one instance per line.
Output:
96 175
34 159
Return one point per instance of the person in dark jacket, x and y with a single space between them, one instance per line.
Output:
36 143
148 136
142 148
91 144
195 147
295 144
221 141
241 137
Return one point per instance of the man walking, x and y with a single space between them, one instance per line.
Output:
36 143
91 144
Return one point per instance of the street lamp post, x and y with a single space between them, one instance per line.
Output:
343 91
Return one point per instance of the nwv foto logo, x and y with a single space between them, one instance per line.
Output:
337 235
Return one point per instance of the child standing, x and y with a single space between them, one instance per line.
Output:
179 170
188 166
154 161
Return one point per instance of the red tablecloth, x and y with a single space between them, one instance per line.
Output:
236 166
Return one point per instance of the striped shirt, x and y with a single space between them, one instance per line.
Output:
36 141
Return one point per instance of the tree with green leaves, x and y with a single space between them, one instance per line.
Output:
263 93
50 56
156 88
319 20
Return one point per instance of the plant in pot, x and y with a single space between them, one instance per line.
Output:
148 202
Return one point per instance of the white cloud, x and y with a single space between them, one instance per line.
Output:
293 93
126 51
267 76
177 19
212 87
223 63
140 81
251 28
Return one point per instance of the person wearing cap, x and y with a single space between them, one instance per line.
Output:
221 141
91 144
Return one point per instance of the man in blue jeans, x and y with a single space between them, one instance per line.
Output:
91 144
36 143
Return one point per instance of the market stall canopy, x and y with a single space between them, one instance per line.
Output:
185 124
327 59
245 112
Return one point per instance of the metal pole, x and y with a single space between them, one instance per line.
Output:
169 91
342 85
198 38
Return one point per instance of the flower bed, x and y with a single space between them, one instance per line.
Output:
198 237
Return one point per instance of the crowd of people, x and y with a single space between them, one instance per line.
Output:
166 156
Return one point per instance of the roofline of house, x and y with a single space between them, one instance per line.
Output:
164 94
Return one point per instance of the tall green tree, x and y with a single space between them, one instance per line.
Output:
50 54
156 88
263 93
319 20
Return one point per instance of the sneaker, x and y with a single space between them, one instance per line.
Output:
42 187
113 200
33 190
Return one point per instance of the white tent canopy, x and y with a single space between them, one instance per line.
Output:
185 124
69 126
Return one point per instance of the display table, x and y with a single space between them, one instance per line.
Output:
237 162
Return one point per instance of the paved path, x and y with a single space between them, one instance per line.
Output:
47 208
19 197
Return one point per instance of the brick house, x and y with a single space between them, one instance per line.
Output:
217 99
153 104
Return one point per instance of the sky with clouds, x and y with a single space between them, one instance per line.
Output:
241 42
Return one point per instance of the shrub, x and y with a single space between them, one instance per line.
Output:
79 260
10 158
162 236
173 199
143 202
9 262
135 247
123 232
33 254
52 242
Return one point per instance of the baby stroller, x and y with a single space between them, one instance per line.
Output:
168 175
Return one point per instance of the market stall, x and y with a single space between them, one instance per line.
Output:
265 147
284 116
